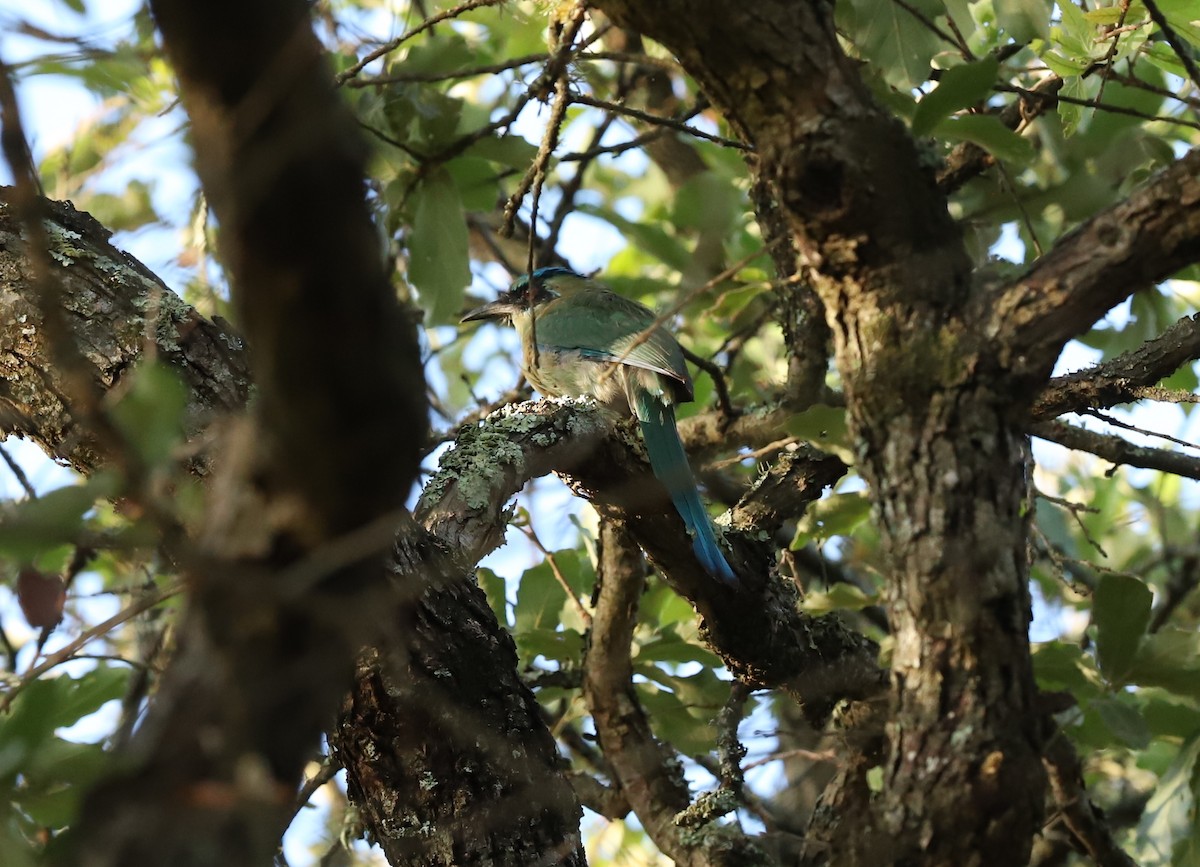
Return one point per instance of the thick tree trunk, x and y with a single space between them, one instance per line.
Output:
938 432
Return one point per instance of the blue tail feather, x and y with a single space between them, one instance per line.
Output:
670 466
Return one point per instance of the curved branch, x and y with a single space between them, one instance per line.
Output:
1117 450
756 628
647 771
1140 241
119 312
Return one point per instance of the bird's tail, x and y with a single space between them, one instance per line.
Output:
670 465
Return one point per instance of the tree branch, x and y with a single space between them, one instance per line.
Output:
333 445
755 628
1122 379
1117 450
1139 241
648 772
1086 822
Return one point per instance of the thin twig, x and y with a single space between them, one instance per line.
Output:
1074 509
1091 103
570 189
757 453
811 755
658 120
1115 33
386 48
324 774
930 25
1025 218
1116 422
532 536
22 479
466 72
1117 451
67 652
1181 50
555 72
724 401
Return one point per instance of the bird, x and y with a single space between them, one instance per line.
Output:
579 338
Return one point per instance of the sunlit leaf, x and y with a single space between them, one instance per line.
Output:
1170 658
149 410
1123 720
1023 20
894 39
989 133
960 87
1121 610
438 256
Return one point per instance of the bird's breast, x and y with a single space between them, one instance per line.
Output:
568 373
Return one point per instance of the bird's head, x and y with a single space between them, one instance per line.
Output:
527 291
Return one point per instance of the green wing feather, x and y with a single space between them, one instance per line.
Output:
603 325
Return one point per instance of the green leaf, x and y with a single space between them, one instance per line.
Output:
671 648
1123 720
495 589
894 40
150 411
437 247
1023 20
648 237
839 597
1076 23
1063 66
1121 611
1170 658
960 87
564 645
1183 18
1171 810
477 181
708 202
55 518
17 848
1061 665
1071 114
823 426
662 607
540 600
54 702
57 777
989 133
1167 716
510 150
688 730
835 515
130 210
1104 15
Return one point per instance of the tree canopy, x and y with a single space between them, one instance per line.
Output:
934 265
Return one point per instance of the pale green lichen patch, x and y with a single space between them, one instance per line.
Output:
483 455
707 808
60 243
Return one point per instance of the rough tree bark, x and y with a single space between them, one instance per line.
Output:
937 395
940 420
274 623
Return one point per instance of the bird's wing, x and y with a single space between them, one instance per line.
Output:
607 327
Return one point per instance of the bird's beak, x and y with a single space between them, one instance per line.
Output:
494 310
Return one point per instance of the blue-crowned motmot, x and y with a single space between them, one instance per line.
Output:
591 341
